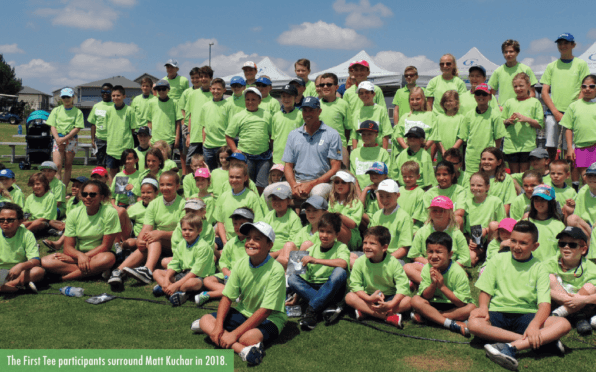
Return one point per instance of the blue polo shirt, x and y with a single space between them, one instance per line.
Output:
311 154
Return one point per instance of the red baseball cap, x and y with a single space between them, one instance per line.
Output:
361 62
99 170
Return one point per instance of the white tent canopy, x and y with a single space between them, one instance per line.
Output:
378 75
590 57
472 58
266 67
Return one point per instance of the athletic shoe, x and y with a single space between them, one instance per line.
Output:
502 354
332 313
593 322
459 327
309 319
55 233
142 274
416 318
395 320
252 354
116 278
202 298
583 327
106 275
196 327
178 298
158 291
560 347
32 287
359 314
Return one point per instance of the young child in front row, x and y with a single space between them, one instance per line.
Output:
41 204
284 221
412 195
415 139
8 179
191 263
379 286
444 295
344 200
259 281
513 315
573 279
326 271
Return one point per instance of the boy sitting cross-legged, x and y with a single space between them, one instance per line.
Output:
379 285
514 302
259 281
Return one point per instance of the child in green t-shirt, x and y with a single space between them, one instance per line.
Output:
197 161
195 100
213 119
323 283
8 179
99 129
50 170
416 140
516 316
565 194
268 103
41 204
166 152
362 158
195 81
521 204
235 103
178 83
283 220
284 121
144 137
447 186
377 173
369 110
492 164
455 157
164 116
19 253
379 286
121 124
417 117
191 263
539 161
501 243
259 282
343 199
140 104
411 195
203 183
402 96
124 198
444 295
447 123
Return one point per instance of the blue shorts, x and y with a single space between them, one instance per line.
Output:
518 157
234 319
112 162
512 322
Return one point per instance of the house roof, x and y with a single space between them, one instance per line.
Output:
29 90
114 80
138 80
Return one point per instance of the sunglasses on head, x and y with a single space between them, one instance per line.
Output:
325 85
483 94
7 220
571 245
88 194
586 86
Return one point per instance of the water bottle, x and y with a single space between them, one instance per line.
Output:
72 291
20 129
131 197
294 311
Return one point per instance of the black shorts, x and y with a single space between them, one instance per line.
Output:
112 162
518 157
234 319
512 322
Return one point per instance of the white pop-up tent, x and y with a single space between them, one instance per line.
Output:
266 67
378 76
472 58
590 57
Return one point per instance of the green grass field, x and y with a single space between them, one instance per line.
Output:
53 321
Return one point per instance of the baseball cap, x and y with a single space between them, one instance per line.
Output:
264 80
279 167
507 224
48 165
238 156
483 88
7 173
172 62
416 132
312 102
442 202
378 167
263 228
388 185
361 62
566 36
249 64
366 85
144 130
290 89
539 153
544 191
68 92
244 213
345 176
478 68
99 170
574 233
203 173
316 201
282 191
368 125
238 80
253 90
195 204
162 83
591 169
81 179
298 80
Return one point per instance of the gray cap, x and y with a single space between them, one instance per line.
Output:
317 202
48 165
281 191
172 62
162 83
263 227
244 213
196 204
539 153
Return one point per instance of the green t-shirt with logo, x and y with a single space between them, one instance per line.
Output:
132 180
20 248
90 230
437 86
177 86
285 227
45 206
565 81
140 105
491 209
580 118
521 137
163 117
461 252
336 114
65 120
253 129
213 118
319 274
120 124
376 113
362 158
282 124
198 258
454 278
399 224
387 276
97 117
164 217
502 80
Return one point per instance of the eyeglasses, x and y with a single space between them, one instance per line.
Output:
325 85
106 91
259 85
161 89
7 220
479 94
586 86
572 245
410 76
89 194
445 63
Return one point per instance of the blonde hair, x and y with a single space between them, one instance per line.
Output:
194 220
418 90
352 194
161 144
411 166
448 95
452 220
455 72
244 167
522 76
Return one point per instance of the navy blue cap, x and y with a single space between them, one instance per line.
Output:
238 80
290 89
478 68
162 83
263 80
368 125
298 80
566 36
312 102
7 173
238 156
416 132
81 179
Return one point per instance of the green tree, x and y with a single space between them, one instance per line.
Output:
9 83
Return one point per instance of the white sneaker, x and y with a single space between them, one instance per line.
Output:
593 322
195 327
253 354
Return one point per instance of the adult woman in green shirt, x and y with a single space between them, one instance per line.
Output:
90 234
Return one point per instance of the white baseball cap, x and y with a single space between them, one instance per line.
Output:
345 176
388 185
263 227
366 85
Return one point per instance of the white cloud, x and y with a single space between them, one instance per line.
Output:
106 48
539 63
90 67
35 68
592 33
85 14
10 48
397 62
125 3
363 15
257 29
323 35
543 45
196 49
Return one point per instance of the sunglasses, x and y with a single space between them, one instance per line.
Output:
586 86
7 220
411 75
571 245
89 194
445 63
161 89
259 85
237 85
325 85
106 91
481 94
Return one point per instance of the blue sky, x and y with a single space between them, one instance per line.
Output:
68 42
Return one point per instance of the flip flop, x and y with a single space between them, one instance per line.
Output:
46 243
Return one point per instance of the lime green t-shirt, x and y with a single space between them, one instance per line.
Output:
422 157
412 202
399 224
207 235
565 81
402 100
336 114
219 178
454 278
196 257
354 212
480 131
140 105
502 80
253 130
493 248
136 214
194 102
376 113
17 196
519 206
592 251
120 124
65 120
90 230
585 205
189 185
227 203
580 118
163 117
285 227
355 103
504 190
169 164
132 180
58 189
311 90
270 104
177 86
362 158
318 274
20 248
141 155
422 119
387 276
461 252
501 280
372 204
45 206
282 124
210 202
547 232
182 102
572 283
142 176
446 128
164 217
232 252
213 118
468 103
482 214
437 86
70 204
521 137
261 287
235 105
97 117
304 234
562 194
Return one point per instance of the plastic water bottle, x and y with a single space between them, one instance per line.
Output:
20 129
294 311
72 291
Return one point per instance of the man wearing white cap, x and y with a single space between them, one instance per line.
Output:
178 84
